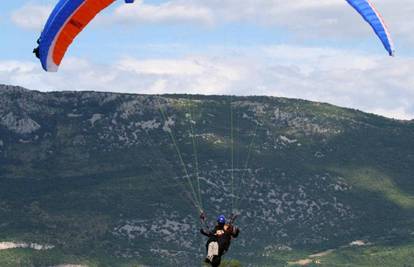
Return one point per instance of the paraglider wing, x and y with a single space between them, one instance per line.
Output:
70 17
373 17
67 20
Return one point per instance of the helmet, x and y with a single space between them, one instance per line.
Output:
221 219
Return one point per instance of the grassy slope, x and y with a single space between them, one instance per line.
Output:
398 255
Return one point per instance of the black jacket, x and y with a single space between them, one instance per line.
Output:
223 237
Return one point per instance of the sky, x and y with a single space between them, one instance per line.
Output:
318 50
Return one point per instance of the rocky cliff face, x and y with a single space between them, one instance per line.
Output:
117 175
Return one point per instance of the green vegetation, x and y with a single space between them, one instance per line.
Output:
32 258
101 181
231 263
372 256
372 180
368 256
227 263
29 257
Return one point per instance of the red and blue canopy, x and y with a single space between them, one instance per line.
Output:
70 17
67 20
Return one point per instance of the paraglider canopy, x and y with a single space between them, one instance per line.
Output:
69 18
66 21
374 18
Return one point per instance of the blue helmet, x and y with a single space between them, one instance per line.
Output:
221 219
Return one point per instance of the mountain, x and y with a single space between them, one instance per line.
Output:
107 179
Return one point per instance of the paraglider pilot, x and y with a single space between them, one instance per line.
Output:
219 239
36 51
